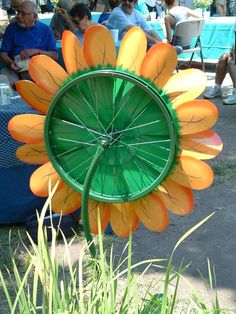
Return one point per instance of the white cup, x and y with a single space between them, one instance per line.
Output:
153 16
115 34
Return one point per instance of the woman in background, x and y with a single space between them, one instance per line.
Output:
175 15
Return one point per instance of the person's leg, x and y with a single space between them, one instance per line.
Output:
232 66
231 100
221 71
222 68
220 9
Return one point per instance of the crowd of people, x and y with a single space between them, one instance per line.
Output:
26 36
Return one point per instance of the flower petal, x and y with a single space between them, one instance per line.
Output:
176 198
192 173
132 50
39 180
33 153
123 218
159 64
196 116
27 128
99 47
72 52
34 95
152 212
65 200
185 86
203 145
94 208
47 73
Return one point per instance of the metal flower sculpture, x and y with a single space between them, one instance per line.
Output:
127 130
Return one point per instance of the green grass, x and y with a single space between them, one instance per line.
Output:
48 284
10 241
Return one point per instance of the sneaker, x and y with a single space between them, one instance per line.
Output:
213 93
178 49
230 100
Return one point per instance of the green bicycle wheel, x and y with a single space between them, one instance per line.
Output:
130 116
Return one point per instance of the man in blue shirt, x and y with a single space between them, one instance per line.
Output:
126 16
23 39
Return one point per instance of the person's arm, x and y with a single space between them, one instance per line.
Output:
63 13
192 13
33 52
10 63
152 37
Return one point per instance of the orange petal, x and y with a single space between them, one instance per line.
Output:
192 173
47 73
175 197
72 52
33 153
196 116
65 200
95 208
99 47
185 86
132 50
203 145
123 218
39 180
152 212
27 128
34 95
159 64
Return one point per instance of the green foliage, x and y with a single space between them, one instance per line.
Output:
93 286
202 3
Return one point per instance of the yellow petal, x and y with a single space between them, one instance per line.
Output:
72 52
196 116
34 95
65 200
192 173
132 50
203 145
176 198
27 128
99 47
39 180
33 153
123 218
152 212
95 208
185 86
159 64
47 73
